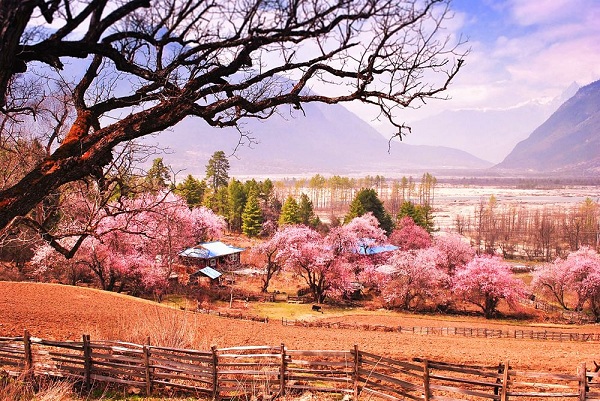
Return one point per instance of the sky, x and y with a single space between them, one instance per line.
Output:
520 51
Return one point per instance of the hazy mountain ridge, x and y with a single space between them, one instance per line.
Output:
329 139
490 134
568 142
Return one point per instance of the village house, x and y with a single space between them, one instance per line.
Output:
211 259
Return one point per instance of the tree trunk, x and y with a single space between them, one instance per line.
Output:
14 16
75 160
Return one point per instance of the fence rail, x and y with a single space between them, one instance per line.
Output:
452 331
269 371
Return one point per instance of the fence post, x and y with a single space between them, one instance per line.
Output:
215 381
583 383
282 370
426 389
356 371
504 394
147 367
87 361
28 355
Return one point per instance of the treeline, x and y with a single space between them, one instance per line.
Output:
258 207
536 234
334 194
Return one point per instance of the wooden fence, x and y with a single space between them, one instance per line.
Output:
269 371
480 332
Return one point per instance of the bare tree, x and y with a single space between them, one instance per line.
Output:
136 67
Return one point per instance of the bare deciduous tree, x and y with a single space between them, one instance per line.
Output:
136 67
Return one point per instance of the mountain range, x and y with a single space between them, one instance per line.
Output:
568 142
329 139
490 134
324 139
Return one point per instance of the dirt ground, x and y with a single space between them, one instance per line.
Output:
64 312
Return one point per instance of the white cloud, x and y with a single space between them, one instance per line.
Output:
554 43
536 12
540 48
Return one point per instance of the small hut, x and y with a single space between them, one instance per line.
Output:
216 255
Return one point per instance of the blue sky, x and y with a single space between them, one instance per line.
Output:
521 50
526 49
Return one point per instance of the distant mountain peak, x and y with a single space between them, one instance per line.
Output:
567 142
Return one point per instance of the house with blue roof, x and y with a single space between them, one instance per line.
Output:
210 259
215 255
376 249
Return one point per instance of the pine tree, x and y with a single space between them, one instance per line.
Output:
252 217
306 213
217 170
192 190
290 213
217 201
421 215
157 176
366 201
237 203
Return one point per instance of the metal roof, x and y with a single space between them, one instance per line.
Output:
209 250
373 250
210 272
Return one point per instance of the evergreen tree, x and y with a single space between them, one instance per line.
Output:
251 186
290 213
157 176
356 209
270 205
266 190
217 201
252 217
217 170
237 203
192 190
420 214
366 201
306 213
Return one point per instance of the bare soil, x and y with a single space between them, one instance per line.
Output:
64 312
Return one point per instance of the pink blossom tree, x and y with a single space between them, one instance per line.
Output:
327 264
584 276
362 231
51 266
409 236
273 258
135 243
485 281
553 279
304 252
455 250
578 274
206 224
415 280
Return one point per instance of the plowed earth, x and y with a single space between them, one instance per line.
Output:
63 312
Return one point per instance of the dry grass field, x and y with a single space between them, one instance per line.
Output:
64 312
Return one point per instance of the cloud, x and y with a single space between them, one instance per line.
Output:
536 12
521 51
526 49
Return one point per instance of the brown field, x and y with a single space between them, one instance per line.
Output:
64 312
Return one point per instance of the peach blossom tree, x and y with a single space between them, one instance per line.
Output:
328 264
485 281
578 274
553 280
415 280
135 242
584 277
409 235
